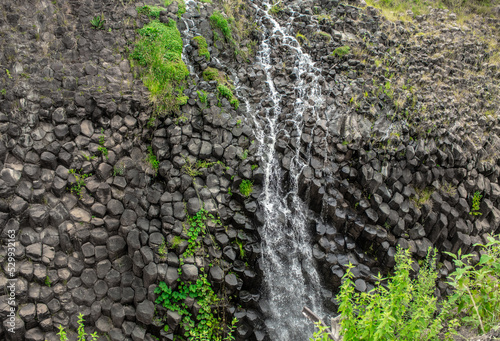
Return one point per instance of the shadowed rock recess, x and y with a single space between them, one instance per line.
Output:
328 158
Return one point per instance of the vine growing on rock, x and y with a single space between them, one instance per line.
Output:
207 323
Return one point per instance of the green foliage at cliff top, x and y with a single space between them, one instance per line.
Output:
159 52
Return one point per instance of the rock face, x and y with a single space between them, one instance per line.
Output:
97 227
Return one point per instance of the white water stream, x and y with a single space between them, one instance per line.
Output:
290 278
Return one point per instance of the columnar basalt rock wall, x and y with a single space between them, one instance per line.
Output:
68 92
410 135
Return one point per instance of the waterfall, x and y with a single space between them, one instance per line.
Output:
290 278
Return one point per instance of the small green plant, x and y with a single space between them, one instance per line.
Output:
48 283
275 8
101 148
155 164
163 249
119 169
76 188
254 167
8 73
202 95
244 155
246 187
202 46
321 334
3 91
476 203
476 286
218 21
341 51
80 331
88 157
62 334
98 22
229 191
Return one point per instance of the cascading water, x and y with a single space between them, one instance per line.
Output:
290 278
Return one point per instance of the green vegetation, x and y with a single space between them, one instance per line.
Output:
151 11
476 203
476 286
193 170
98 22
276 8
423 196
155 164
158 52
244 155
76 188
162 249
101 148
302 39
402 308
212 74
202 46
226 92
463 8
81 331
47 282
341 51
182 6
3 91
209 323
246 187
119 169
219 21
224 86
202 95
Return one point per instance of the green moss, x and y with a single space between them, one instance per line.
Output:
218 21
159 52
151 11
211 74
202 47
341 51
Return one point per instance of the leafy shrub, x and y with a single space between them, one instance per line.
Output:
405 309
402 310
341 51
246 187
477 286
476 203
